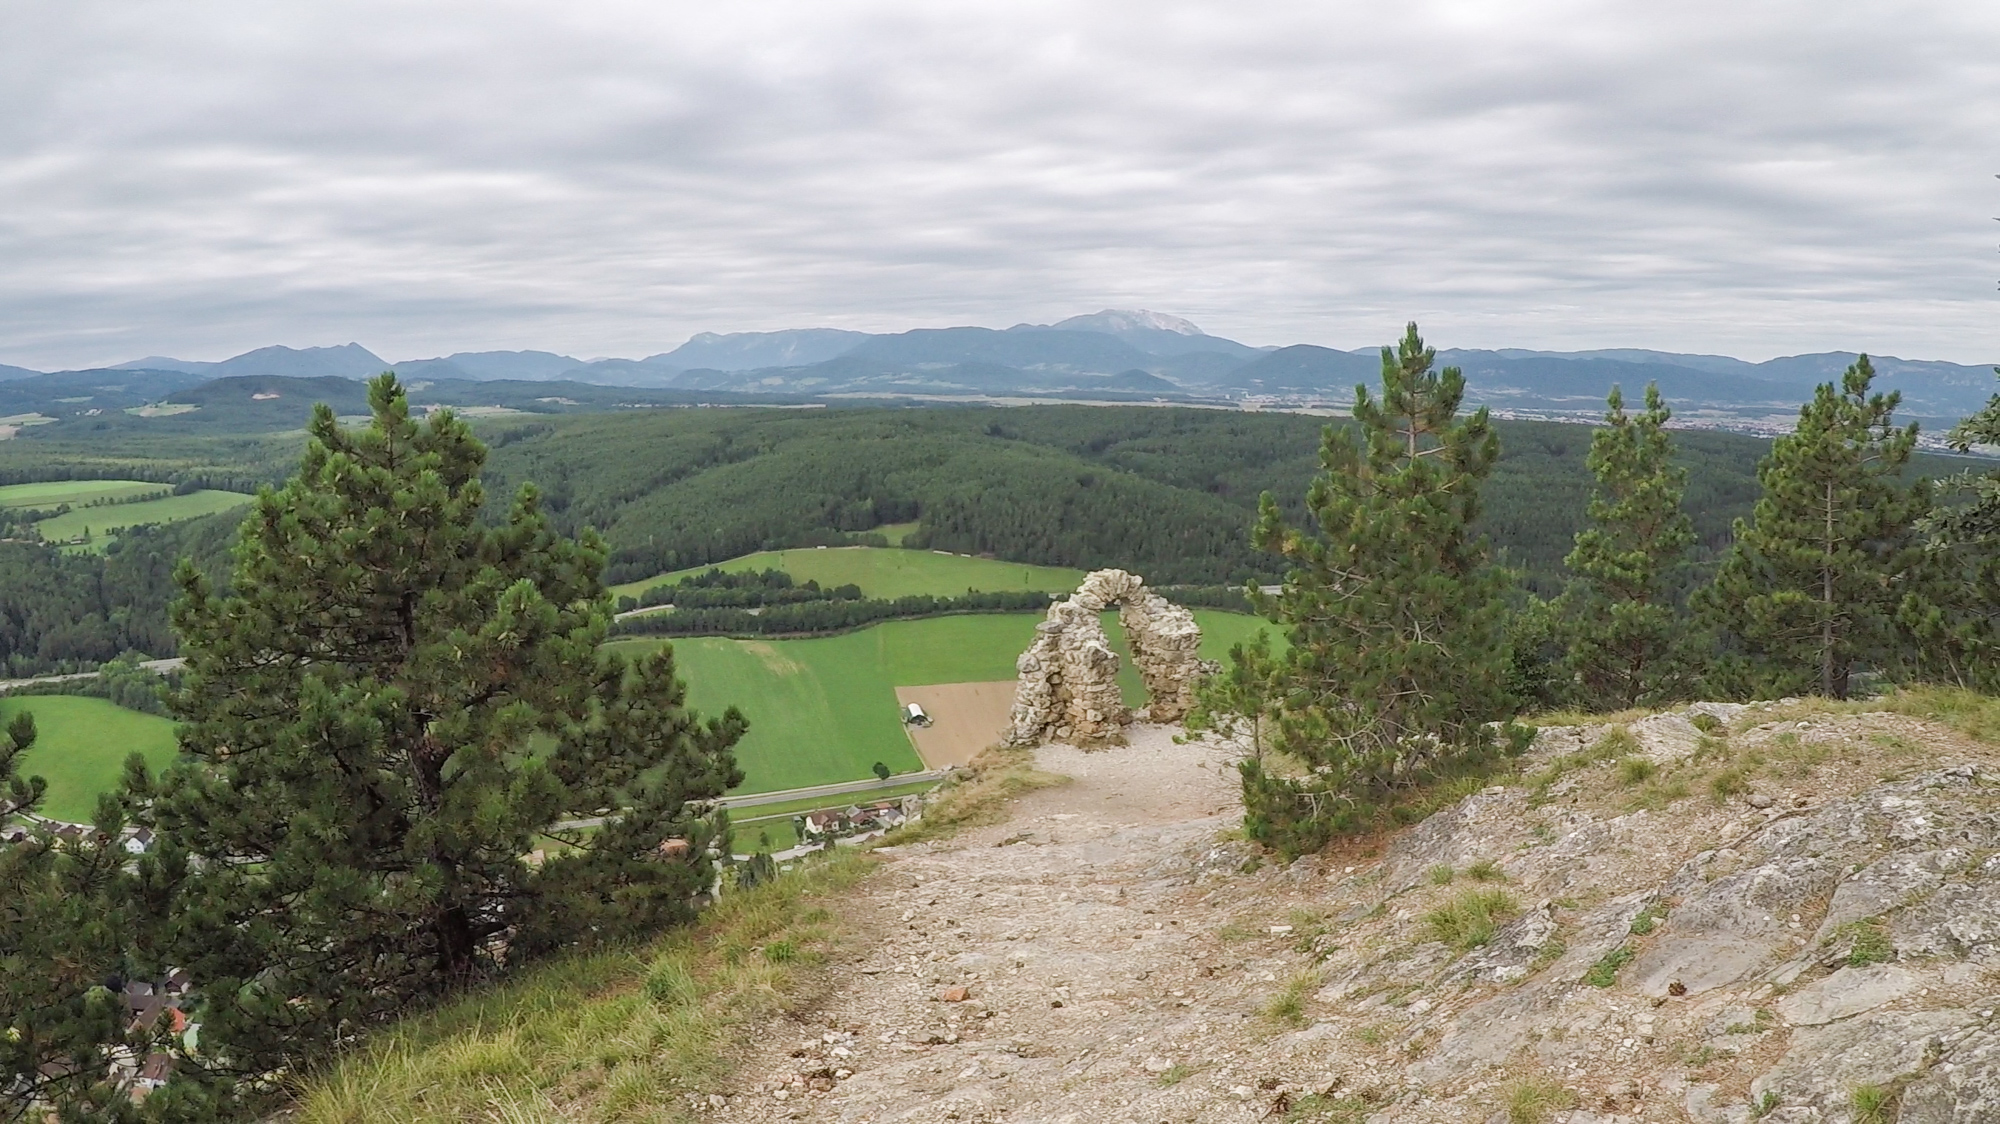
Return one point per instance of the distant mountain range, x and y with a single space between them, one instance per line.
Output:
1113 355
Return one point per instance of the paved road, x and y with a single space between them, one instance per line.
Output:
161 666
785 796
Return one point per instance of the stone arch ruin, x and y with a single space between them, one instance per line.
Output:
1068 686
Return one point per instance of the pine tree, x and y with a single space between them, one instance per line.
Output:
394 711
21 732
1955 616
1627 644
1811 587
1395 615
65 925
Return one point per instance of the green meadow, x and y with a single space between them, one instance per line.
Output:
96 526
82 748
886 573
823 709
76 493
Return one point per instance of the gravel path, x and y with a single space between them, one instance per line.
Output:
1057 967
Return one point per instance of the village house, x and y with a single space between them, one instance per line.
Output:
836 824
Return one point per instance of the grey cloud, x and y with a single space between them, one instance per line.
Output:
607 178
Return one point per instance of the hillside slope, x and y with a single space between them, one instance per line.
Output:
1799 912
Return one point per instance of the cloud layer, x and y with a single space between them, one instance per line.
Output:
606 178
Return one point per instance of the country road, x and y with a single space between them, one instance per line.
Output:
785 796
161 666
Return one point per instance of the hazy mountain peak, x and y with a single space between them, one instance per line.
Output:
349 360
743 351
1115 320
162 363
484 365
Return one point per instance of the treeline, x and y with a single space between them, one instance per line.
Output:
123 680
823 617
1229 598
1411 648
721 589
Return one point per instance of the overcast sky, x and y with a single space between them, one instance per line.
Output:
1744 177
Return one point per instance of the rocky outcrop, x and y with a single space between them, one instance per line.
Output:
1814 948
1763 914
1068 687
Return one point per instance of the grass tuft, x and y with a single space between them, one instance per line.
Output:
1289 1005
1471 917
1733 781
1874 1104
1317 1109
1536 1101
1969 712
1485 870
1649 919
1871 942
1604 973
1636 770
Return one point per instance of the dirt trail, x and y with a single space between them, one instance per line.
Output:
1109 953
1082 945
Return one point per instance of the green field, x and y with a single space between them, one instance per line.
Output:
76 493
96 526
82 748
823 710
886 573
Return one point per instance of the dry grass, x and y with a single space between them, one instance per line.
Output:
1616 744
1727 766
1975 715
998 775
1582 718
601 1038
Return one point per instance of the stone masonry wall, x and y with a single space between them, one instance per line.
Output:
1068 685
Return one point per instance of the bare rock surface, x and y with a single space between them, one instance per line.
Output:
1661 948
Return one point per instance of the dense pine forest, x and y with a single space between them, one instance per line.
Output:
1169 493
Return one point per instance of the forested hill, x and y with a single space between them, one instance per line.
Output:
1168 492
68 611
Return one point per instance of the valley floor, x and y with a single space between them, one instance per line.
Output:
1815 933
